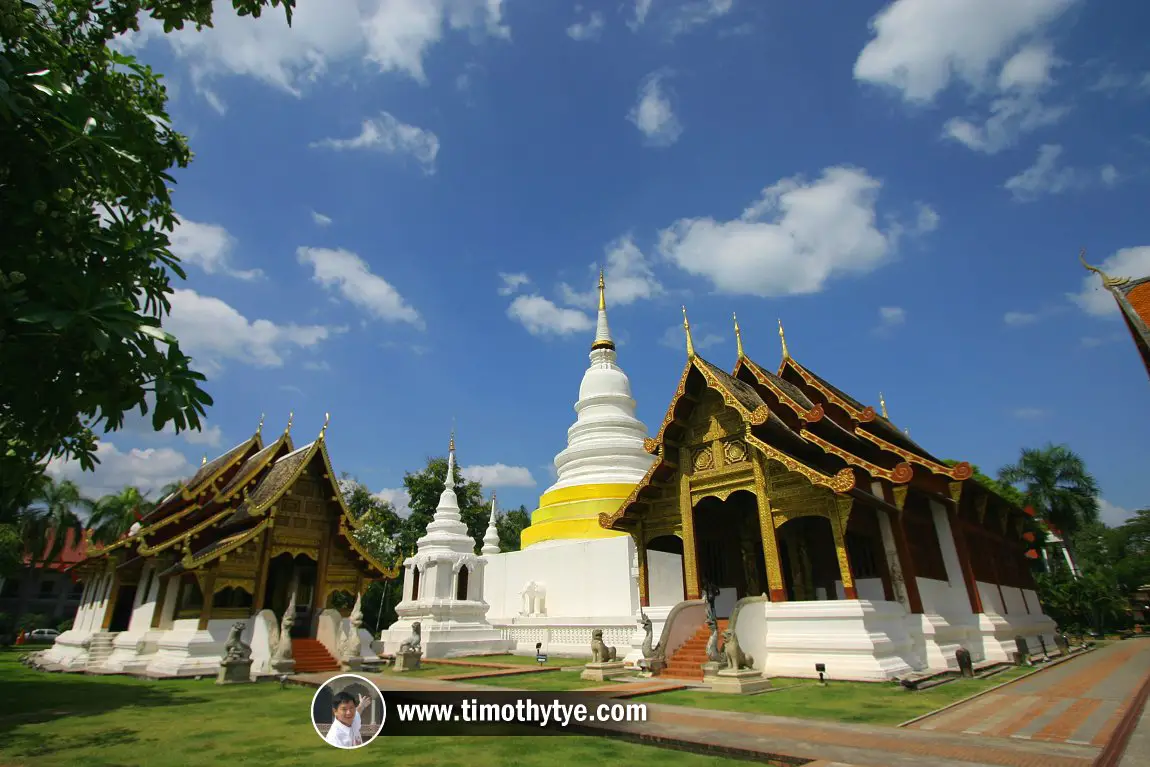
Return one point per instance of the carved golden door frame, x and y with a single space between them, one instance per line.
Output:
775 582
836 510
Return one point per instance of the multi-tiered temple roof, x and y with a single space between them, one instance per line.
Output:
812 428
228 502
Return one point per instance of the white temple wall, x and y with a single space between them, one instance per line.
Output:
664 579
871 589
988 594
1014 603
144 606
941 598
1033 602
582 579
168 612
949 550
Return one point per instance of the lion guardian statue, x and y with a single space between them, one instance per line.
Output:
601 653
414 643
733 655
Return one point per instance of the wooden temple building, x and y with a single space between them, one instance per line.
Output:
256 530
845 540
1133 299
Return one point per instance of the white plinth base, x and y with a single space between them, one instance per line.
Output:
131 653
603 672
450 630
745 682
69 652
186 653
996 634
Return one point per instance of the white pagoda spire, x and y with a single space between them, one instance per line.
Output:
447 529
491 537
605 444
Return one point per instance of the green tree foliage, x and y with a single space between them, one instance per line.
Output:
86 147
425 487
113 515
1055 482
1092 602
45 524
380 524
510 525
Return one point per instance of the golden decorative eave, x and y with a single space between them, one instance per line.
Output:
959 471
1107 281
865 415
606 520
186 536
812 415
900 474
191 562
841 482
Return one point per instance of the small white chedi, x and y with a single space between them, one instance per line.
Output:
443 586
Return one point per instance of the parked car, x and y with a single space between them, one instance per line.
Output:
43 635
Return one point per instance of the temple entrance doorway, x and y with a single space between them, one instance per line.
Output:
288 574
730 548
122 612
808 559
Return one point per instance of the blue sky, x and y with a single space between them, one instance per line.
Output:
397 211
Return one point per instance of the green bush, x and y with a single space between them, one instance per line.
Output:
64 626
30 621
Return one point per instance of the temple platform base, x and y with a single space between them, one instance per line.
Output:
603 672
744 682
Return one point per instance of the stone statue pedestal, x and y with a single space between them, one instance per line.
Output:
649 667
603 672
744 682
710 670
351 664
407 661
234 672
283 666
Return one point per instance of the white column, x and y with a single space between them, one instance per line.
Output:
1069 561
893 565
949 551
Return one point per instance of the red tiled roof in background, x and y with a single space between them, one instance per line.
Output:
74 551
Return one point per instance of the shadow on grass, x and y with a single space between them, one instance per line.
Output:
46 744
31 696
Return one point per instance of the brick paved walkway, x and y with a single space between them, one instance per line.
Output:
1078 702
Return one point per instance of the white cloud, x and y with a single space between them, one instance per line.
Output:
591 29
642 8
927 220
694 13
389 35
211 331
149 470
398 498
1128 262
628 278
674 337
542 317
499 475
1109 175
212 436
1029 413
1015 319
320 219
209 247
889 316
1112 514
653 114
920 46
388 135
316 366
791 241
1043 177
512 282
350 275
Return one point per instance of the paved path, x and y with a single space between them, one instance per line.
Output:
1077 702
1058 717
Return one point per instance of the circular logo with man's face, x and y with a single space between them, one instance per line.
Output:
348 711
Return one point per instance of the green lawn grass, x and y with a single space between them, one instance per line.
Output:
864 702
59 720
425 670
523 660
556 681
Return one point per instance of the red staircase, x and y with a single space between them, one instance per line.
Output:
312 657
688 660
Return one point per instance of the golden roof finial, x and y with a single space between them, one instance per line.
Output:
260 428
687 329
451 442
602 292
882 404
326 421
783 338
291 415
204 462
1107 280
738 337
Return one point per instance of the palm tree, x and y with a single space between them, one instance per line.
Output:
113 515
45 524
1055 482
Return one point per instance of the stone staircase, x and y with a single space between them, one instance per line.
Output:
98 650
312 657
688 660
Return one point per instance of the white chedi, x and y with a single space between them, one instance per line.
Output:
605 444
443 587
